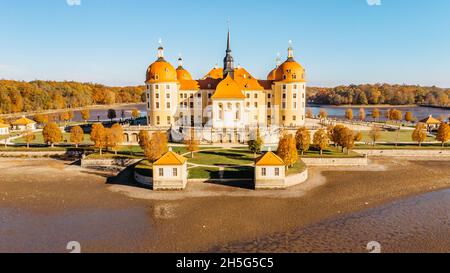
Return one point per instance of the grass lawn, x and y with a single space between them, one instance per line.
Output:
330 152
298 167
391 136
40 139
222 157
237 172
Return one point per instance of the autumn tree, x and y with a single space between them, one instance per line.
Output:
375 134
358 136
409 116
159 146
41 119
29 136
303 139
376 114
334 133
321 140
309 113
117 136
443 134
347 139
64 117
112 114
287 150
52 134
85 115
323 114
192 144
98 136
349 114
419 134
144 142
255 145
135 113
76 135
70 115
362 114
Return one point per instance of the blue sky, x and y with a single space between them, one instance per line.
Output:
337 41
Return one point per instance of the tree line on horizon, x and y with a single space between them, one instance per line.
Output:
379 94
20 96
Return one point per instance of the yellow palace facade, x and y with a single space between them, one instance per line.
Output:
228 104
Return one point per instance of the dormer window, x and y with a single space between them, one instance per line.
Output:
156 77
294 76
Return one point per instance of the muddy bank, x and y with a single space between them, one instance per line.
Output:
46 203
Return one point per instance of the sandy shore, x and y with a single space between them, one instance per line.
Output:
46 203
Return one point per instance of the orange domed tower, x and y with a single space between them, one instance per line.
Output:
162 91
289 92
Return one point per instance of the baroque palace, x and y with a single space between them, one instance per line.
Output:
228 105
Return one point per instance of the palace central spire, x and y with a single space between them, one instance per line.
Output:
228 61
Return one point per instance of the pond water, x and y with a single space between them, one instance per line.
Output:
334 112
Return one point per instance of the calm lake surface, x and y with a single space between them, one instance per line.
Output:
337 112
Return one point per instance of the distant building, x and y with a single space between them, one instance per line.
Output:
228 103
431 123
4 129
270 172
170 172
24 124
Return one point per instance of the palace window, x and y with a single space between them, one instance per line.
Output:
168 95
174 172
284 95
168 105
209 95
284 118
181 95
256 105
168 119
283 105
294 105
191 105
295 86
161 171
157 105
168 87
256 96
284 86
156 87
294 118
157 95
248 104
295 95
269 105
248 95
191 96
277 171
158 121
199 95
269 96
263 172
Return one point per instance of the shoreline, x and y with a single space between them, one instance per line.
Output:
222 214
368 106
56 111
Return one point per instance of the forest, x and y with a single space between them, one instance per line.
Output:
18 96
377 94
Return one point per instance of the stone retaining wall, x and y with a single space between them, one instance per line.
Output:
404 152
142 179
352 161
120 162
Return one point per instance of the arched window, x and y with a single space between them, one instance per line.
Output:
221 116
238 111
